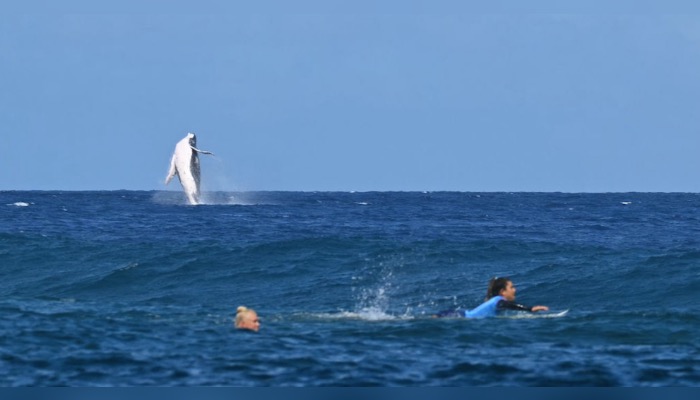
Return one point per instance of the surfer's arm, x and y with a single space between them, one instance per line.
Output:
510 305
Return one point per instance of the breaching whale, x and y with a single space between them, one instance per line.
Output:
185 163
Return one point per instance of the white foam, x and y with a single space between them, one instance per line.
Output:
206 199
226 199
19 204
367 314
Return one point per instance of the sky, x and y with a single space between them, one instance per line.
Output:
350 96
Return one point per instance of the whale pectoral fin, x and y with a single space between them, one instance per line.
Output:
201 151
172 171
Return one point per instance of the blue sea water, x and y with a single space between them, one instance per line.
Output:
133 288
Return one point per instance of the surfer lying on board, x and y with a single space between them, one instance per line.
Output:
500 296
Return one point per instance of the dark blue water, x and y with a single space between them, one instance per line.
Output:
136 288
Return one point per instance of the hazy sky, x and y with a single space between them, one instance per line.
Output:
337 97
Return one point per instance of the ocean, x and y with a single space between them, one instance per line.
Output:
136 288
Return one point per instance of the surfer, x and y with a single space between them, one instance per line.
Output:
247 318
500 296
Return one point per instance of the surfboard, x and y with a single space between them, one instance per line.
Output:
555 314
541 314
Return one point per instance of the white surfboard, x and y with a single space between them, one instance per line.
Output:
540 314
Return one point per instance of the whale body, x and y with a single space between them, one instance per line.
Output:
185 164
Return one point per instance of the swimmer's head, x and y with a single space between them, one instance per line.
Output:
247 318
501 286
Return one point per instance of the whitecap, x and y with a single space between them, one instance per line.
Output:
19 204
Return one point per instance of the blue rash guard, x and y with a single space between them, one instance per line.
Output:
489 308
486 309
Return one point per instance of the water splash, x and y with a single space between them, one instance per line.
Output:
362 315
227 199
167 197
374 288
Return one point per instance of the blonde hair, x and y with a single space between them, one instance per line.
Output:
241 311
